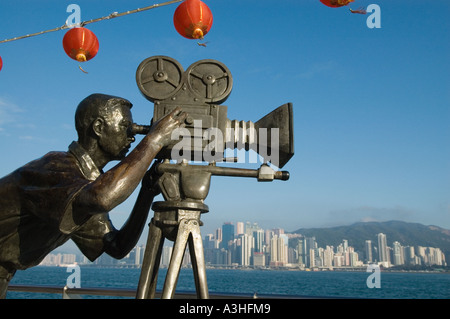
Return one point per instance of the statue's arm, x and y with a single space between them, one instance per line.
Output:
123 241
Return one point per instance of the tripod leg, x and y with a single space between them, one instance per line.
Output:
177 258
198 262
150 264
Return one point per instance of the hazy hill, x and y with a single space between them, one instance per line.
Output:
407 234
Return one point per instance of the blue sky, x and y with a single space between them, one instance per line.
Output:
371 106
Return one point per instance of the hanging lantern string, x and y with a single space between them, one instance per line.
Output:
111 16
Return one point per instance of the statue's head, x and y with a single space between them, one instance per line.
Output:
107 120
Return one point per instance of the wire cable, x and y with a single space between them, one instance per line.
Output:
111 16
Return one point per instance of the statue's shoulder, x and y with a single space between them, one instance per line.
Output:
51 164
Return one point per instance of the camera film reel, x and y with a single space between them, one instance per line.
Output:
210 81
159 77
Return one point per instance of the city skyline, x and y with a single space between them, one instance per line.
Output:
248 245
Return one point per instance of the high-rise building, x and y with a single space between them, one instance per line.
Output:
208 241
218 234
268 236
68 258
312 258
137 255
311 243
345 244
239 228
259 259
398 254
354 259
328 256
246 249
306 248
283 243
410 257
368 251
273 249
279 250
383 253
166 255
302 252
258 236
227 234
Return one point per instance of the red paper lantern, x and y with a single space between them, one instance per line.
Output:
193 19
336 3
1 63
80 44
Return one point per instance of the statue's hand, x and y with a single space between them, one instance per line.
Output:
150 180
166 125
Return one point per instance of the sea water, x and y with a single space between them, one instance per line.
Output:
339 284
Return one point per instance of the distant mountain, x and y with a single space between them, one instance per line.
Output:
407 234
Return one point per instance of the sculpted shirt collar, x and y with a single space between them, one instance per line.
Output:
87 165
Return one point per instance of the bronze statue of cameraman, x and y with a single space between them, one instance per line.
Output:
66 195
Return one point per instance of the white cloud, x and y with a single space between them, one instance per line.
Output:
27 137
317 69
8 111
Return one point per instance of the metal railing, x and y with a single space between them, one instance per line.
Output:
76 293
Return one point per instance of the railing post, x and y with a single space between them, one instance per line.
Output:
67 295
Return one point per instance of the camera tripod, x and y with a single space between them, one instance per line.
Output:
184 188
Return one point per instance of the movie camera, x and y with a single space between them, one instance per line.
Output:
199 91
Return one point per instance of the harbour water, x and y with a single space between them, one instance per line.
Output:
393 285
